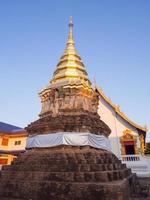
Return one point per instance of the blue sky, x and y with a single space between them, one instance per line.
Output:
112 37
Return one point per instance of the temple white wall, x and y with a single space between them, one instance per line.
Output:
116 124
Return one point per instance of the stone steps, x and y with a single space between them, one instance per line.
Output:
5 198
72 154
66 159
58 161
63 167
103 176
47 190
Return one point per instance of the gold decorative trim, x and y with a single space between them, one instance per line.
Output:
142 144
128 136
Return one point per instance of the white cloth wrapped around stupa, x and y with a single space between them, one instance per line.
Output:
66 138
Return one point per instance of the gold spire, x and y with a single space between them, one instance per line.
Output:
70 36
70 48
70 69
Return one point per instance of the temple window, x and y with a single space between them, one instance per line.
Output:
5 141
3 161
18 142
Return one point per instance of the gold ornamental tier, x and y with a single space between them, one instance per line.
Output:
70 69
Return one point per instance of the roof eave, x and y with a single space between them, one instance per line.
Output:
118 111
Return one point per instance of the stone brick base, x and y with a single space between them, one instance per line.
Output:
71 122
65 173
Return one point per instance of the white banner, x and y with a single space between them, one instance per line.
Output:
68 138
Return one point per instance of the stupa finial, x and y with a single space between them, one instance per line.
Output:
70 36
71 23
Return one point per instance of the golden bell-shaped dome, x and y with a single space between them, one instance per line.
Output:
70 69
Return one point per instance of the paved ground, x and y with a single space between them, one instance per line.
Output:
144 192
140 198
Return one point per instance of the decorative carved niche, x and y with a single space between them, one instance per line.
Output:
130 139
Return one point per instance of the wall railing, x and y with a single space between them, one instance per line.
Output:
130 158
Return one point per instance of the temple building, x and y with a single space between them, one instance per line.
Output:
127 137
12 142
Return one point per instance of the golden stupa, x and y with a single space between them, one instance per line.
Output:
70 70
68 155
